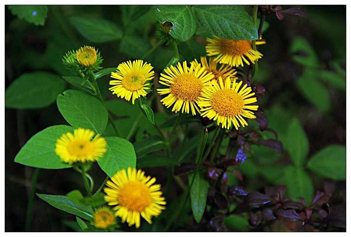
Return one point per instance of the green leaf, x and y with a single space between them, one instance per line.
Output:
78 82
229 22
33 90
75 196
122 108
184 119
132 12
297 143
273 174
65 204
32 14
120 155
303 53
237 222
334 79
298 183
249 168
330 162
198 194
153 160
104 72
134 46
265 25
82 110
314 90
81 223
191 50
96 30
96 200
39 151
151 144
148 112
182 20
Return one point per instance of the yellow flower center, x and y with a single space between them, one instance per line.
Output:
86 56
235 47
103 219
80 148
133 82
227 103
187 87
135 196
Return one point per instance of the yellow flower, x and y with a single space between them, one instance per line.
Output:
133 194
80 147
132 80
223 71
233 52
227 103
185 86
86 56
104 218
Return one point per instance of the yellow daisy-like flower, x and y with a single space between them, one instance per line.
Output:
80 146
185 86
104 218
132 79
223 71
228 103
86 56
233 52
133 194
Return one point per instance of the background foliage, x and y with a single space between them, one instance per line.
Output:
302 78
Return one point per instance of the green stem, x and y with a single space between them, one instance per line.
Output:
152 50
176 51
217 145
102 185
29 214
134 126
215 135
201 146
85 181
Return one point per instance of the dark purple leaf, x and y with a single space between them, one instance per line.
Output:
267 215
289 214
216 223
289 204
255 219
279 15
262 120
317 197
184 169
254 136
260 89
295 11
272 144
256 199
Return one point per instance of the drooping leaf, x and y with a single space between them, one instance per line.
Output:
39 151
297 143
299 184
33 90
314 91
198 194
65 204
330 162
83 110
229 22
96 30
120 155
134 46
78 82
183 23
149 113
30 13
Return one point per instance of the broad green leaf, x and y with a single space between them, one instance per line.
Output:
183 23
148 145
132 12
148 112
237 222
314 91
298 183
334 79
39 151
97 30
198 194
83 110
32 14
330 162
120 155
134 46
33 90
94 201
81 223
154 160
297 143
303 53
229 22
273 174
249 168
65 204
78 82
104 72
